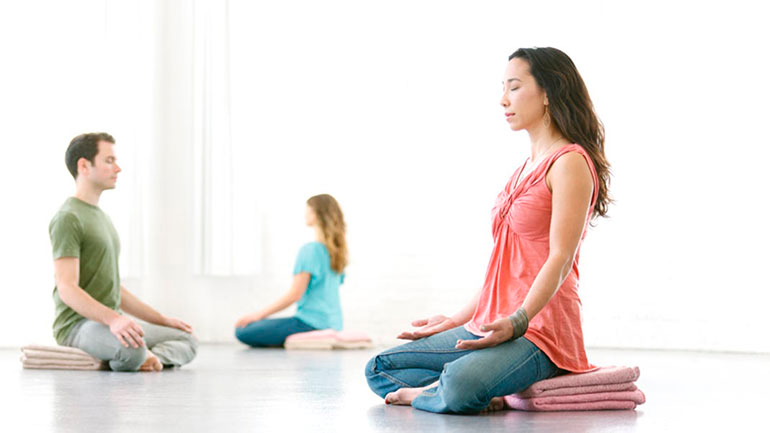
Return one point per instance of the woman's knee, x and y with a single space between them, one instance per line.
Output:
240 334
251 336
371 366
129 359
463 390
376 365
371 371
379 384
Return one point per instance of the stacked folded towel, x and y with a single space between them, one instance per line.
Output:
601 389
328 339
59 358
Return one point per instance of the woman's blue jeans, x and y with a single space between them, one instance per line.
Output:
468 379
270 332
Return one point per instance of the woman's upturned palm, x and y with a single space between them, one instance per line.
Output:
431 326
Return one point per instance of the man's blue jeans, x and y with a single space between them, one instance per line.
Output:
270 332
468 379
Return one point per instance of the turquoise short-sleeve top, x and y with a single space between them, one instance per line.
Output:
320 306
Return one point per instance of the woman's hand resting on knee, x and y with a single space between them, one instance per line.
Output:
431 326
502 331
440 323
249 318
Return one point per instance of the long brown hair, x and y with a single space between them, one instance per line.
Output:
571 110
332 224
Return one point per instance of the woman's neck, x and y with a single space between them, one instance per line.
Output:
543 141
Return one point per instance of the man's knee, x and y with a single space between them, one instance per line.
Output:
191 341
192 344
129 359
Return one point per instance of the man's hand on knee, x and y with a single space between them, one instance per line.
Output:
128 332
173 322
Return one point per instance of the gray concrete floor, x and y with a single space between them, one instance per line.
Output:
234 389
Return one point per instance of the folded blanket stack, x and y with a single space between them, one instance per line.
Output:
59 358
602 389
326 339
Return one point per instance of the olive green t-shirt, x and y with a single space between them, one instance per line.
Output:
82 230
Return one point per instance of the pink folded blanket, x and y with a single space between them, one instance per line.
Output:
58 358
591 401
602 389
531 406
328 339
603 379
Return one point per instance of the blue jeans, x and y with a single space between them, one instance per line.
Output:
468 379
270 332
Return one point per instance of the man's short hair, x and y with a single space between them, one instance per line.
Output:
84 146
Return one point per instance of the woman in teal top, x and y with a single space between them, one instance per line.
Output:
318 273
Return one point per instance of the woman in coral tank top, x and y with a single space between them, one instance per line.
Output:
524 325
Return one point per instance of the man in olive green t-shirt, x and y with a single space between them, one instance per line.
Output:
89 298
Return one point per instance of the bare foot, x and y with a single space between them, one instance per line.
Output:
497 403
404 396
152 363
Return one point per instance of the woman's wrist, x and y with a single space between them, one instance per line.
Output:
520 323
459 319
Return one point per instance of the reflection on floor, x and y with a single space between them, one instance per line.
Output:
230 388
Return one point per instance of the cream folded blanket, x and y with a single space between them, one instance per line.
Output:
59 358
328 339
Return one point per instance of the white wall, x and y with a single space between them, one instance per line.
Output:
64 72
393 108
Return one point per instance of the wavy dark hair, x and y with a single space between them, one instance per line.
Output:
571 110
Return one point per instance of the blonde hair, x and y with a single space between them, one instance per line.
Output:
332 224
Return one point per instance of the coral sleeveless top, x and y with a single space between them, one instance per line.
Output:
521 220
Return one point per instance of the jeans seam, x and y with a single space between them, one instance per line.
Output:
382 373
430 392
425 351
393 379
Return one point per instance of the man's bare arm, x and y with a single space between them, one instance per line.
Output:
67 270
134 306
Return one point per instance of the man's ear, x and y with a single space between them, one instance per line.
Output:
84 166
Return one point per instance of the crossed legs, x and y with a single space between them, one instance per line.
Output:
468 380
164 346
